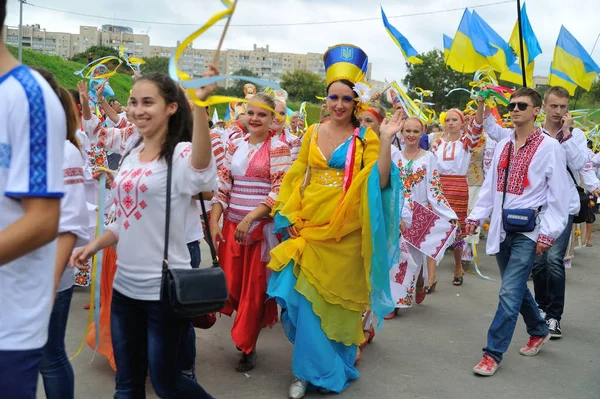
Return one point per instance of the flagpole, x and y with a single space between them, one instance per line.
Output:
521 49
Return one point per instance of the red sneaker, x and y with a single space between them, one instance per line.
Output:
487 366
534 345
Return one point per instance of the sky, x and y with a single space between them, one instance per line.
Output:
424 32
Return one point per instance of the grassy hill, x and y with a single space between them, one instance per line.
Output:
64 71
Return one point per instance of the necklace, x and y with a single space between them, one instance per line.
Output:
344 138
410 161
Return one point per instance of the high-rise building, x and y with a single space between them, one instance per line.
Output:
260 60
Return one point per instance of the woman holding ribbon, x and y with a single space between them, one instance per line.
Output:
421 181
453 153
249 182
340 219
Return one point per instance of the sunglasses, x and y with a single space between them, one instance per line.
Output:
522 106
335 97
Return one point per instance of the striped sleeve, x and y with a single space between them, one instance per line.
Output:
218 148
471 137
295 145
34 152
225 177
281 161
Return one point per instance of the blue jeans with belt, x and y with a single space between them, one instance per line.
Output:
55 368
145 337
515 260
549 277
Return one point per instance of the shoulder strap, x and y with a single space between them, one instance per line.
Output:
213 251
572 177
510 148
168 214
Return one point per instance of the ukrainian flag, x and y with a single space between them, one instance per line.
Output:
410 54
447 46
572 60
531 49
558 78
490 44
462 56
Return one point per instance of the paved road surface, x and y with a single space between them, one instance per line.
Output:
426 352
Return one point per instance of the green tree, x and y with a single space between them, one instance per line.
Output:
303 85
155 64
594 93
97 52
433 75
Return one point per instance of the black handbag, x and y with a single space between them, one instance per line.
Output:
584 200
516 220
191 292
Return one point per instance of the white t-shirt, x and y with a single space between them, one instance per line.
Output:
73 207
32 135
140 192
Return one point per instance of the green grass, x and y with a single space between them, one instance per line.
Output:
64 70
121 83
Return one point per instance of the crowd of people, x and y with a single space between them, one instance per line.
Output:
314 227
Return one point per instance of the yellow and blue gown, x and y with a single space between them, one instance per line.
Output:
337 262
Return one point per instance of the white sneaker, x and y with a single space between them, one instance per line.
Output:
298 389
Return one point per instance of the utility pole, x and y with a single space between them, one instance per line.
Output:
521 50
21 30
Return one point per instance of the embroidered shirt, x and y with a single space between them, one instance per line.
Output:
74 216
32 137
537 178
453 157
270 165
574 146
140 190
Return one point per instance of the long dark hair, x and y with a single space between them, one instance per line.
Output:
348 83
71 114
180 123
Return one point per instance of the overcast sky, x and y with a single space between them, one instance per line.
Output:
424 32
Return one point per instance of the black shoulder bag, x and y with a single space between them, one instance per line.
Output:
516 220
191 292
584 200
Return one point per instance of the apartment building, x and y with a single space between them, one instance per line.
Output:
260 60
67 45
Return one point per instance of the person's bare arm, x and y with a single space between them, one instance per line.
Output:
65 244
37 227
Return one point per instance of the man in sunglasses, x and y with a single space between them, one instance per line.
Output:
522 192
549 269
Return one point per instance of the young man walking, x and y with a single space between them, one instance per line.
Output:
522 193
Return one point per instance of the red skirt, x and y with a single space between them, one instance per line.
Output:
247 282
456 191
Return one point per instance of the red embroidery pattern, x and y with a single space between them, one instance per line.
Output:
72 172
519 164
422 224
399 277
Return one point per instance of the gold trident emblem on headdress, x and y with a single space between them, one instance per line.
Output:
347 53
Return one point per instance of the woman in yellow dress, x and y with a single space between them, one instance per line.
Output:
339 212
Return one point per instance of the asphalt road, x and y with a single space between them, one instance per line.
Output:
428 351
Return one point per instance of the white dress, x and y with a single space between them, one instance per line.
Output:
421 183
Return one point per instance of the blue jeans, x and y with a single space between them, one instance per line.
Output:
549 277
56 370
19 373
515 261
189 356
145 337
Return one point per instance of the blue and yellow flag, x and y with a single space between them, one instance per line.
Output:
572 60
490 44
558 78
462 56
410 54
447 46
531 49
